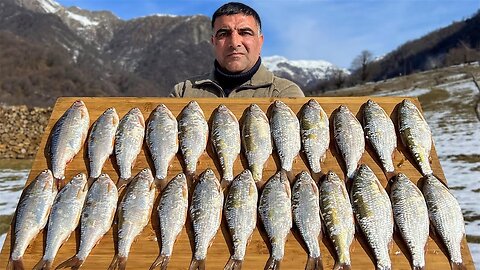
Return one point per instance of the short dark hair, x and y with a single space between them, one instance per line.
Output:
233 8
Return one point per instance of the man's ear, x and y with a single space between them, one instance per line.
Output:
212 40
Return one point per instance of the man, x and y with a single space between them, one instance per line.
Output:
237 40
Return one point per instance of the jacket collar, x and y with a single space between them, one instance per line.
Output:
262 78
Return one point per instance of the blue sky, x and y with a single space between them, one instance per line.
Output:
331 30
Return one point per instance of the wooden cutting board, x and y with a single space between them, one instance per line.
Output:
145 248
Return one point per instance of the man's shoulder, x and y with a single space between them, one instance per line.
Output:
286 87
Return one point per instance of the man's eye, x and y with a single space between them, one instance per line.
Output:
246 33
221 34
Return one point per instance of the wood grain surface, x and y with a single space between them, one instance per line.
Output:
145 249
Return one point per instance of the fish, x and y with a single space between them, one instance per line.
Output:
446 217
256 140
373 212
172 212
225 137
31 216
411 217
101 140
68 136
275 211
64 218
306 216
241 215
337 215
415 134
133 213
128 143
192 135
348 133
285 129
162 139
95 220
206 215
315 134
380 132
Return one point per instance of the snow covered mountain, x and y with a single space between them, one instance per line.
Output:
304 72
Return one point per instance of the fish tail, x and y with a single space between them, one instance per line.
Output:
197 264
390 175
418 268
457 266
60 182
73 263
272 264
341 266
15 264
314 263
162 261
118 263
233 264
290 176
122 182
43 265
90 181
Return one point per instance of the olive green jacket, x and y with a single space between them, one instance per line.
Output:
263 84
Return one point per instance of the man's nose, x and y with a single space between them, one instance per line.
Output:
235 39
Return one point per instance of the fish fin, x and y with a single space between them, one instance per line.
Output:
73 263
233 264
314 263
122 182
15 264
43 265
118 263
341 266
197 264
418 268
272 264
457 266
60 183
390 175
224 183
162 261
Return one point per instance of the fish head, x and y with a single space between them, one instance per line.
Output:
313 103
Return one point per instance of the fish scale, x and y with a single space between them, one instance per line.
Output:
225 139
415 134
380 132
162 139
192 135
373 212
285 130
446 216
306 215
315 133
241 214
337 215
101 141
348 133
411 216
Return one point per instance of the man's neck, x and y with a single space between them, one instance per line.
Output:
228 81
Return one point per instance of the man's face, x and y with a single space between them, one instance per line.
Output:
237 42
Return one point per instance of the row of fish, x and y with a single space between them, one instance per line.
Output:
258 134
279 207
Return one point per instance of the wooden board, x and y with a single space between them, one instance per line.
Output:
145 249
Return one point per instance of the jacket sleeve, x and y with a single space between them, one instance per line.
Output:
178 90
288 89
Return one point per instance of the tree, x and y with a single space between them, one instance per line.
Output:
361 64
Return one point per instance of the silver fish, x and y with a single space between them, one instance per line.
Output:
373 212
68 136
31 215
172 212
96 218
206 215
241 215
101 141
415 134
338 217
446 216
256 140
306 215
162 139
128 143
380 132
225 139
64 218
133 213
349 137
275 211
285 130
411 216
192 134
315 133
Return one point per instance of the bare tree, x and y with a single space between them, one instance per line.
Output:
361 64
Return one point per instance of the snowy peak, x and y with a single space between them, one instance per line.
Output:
41 6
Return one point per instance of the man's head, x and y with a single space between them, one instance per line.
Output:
237 37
